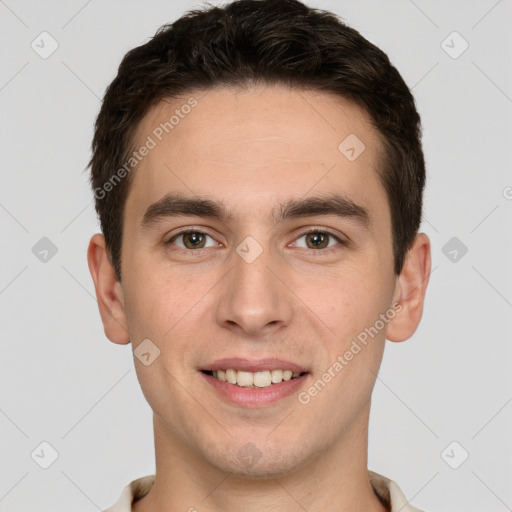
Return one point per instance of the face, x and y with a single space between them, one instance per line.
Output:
253 242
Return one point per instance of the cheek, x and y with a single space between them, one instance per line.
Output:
168 307
161 309
351 299
154 301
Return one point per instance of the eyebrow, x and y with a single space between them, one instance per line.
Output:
174 205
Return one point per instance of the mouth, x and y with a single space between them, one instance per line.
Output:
247 379
254 383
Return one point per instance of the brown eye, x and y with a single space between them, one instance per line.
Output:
192 240
317 240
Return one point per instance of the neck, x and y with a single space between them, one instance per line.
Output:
335 480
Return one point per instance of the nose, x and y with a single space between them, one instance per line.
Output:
253 300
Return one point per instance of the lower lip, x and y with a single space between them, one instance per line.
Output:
255 397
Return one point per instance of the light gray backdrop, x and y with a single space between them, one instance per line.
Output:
441 396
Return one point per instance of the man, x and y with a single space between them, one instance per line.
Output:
258 175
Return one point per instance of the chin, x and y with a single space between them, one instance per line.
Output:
251 462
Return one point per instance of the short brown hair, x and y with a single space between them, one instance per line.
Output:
263 42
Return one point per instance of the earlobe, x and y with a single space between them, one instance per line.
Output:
109 293
410 290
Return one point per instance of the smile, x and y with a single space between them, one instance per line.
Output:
255 383
247 379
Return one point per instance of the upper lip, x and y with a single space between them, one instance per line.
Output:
254 365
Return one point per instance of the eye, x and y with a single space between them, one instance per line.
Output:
192 240
317 239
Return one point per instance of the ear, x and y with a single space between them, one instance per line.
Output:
108 291
410 290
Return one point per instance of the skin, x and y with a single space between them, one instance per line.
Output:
253 149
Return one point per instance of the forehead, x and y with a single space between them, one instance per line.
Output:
260 142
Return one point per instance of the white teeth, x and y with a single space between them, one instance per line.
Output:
245 379
276 376
261 379
231 376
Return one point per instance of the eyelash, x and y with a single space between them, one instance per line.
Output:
304 233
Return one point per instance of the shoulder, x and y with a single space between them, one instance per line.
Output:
390 493
134 491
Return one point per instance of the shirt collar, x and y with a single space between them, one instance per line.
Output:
387 490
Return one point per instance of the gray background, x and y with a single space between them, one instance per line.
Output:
64 383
